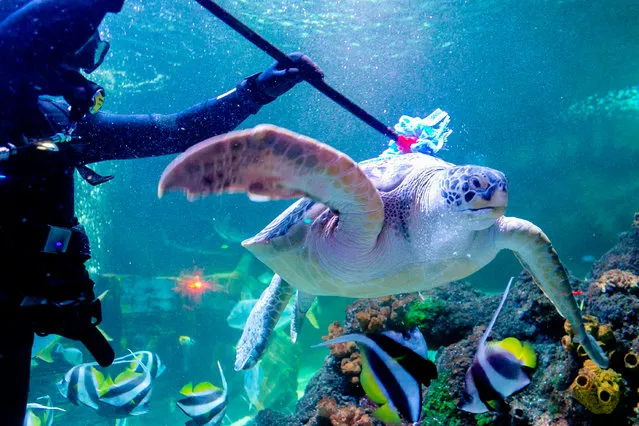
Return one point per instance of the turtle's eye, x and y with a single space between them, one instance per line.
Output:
477 182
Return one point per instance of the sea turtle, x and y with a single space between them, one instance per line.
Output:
386 226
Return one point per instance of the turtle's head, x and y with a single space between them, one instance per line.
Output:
477 193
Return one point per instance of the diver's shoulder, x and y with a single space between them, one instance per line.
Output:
55 111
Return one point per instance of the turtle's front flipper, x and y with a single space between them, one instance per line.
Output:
303 302
535 252
261 322
271 163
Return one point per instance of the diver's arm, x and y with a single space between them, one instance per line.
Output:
116 136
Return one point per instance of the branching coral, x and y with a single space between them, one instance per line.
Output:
352 367
616 279
375 316
372 320
596 389
339 350
345 416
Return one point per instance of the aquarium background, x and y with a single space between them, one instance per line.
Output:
544 91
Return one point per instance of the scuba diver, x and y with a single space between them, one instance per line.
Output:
50 125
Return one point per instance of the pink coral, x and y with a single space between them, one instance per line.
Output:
349 415
352 367
339 350
379 311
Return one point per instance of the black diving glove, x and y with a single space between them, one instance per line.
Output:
278 79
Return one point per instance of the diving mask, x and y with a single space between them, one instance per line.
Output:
90 55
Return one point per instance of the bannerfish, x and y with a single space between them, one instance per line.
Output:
394 368
127 395
205 403
79 385
40 414
499 369
147 359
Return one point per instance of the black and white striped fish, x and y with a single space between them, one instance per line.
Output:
79 385
205 403
394 368
127 395
40 414
149 360
499 369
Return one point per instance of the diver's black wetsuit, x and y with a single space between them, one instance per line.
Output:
44 285
37 190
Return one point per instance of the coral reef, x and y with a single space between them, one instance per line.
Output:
619 308
373 315
349 415
352 366
439 407
631 361
598 390
351 362
329 382
453 319
339 350
616 279
603 334
372 320
422 312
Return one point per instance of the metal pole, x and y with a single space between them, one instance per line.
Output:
279 56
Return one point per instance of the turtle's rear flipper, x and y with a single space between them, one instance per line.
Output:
303 302
270 163
261 322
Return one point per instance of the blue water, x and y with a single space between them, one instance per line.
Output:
513 75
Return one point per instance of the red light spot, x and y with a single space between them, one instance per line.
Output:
191 286
577 293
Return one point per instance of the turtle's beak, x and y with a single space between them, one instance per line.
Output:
492 202
494 197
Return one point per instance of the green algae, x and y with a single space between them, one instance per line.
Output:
423 312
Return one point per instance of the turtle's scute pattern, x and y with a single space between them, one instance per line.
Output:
366 219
